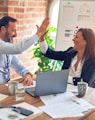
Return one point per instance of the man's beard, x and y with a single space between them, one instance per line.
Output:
7 38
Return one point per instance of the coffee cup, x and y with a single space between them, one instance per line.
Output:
82 88
12 87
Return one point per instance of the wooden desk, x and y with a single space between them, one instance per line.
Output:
29 99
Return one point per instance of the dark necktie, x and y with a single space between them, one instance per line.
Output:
8 67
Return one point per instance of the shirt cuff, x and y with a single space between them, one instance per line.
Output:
23 74
43 46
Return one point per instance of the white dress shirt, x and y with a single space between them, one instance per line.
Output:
10 48
43 46
72 72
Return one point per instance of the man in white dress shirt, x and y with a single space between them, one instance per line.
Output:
7 32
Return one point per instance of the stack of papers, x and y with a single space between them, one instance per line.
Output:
58 98
64 105
8 114
62 110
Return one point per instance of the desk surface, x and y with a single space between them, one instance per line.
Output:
29 99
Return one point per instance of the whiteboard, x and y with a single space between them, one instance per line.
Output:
73 15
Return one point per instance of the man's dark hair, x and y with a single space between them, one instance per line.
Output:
4 21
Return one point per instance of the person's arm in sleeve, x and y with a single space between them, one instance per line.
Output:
18 66
52 54
9 48
22 70
43 46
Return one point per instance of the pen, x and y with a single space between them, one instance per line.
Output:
1 106
76 102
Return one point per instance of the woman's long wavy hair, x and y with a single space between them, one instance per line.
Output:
89 37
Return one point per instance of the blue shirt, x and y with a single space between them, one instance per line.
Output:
14 61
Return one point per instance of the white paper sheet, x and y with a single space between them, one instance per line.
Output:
69 105
5 112
30 107
58 98
85 106
67 109
61 110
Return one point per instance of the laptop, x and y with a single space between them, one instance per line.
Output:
47 83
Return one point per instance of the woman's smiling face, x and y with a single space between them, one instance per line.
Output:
79 42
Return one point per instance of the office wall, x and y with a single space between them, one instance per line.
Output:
73 15
29 13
